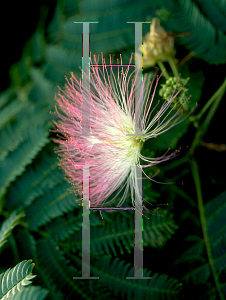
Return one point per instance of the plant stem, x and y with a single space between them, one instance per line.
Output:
195 173
213 109
173 67
211 100
204 126
163 69
175 164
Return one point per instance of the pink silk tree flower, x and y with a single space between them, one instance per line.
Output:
109 151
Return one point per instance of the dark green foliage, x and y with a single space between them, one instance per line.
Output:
107 238
54 203
44 88
63 227
159 287
15 163
30 293
8 225
54 266
40 176
207 41
197 268
9 111
215 11
14 280
6 96
35 199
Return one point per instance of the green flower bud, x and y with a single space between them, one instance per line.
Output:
173 85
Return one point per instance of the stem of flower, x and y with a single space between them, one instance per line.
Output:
195 173
173 67
214 108
163 69
203 128
175 164
211 100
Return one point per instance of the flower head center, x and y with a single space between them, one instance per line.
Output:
124 139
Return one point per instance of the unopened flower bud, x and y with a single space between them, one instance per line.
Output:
174 85
158 45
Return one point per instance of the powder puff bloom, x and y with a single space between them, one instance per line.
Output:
111 150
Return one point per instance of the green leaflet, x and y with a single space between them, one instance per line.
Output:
207 41
30 293
65 226
15 163
17 131
55 269
115 273
13 134
6 97
120 233
9 111
44 174
27 245
44 87
54 203
38 45
8 225
215 11
14 280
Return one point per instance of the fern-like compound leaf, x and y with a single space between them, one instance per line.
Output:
113 275
15 163
54 203
198 266
207 41
30 293
14 280
8 225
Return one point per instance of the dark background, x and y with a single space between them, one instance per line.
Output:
18 22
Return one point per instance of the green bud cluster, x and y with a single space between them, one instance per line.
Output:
174 84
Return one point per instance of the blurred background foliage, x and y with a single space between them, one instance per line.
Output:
184 242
